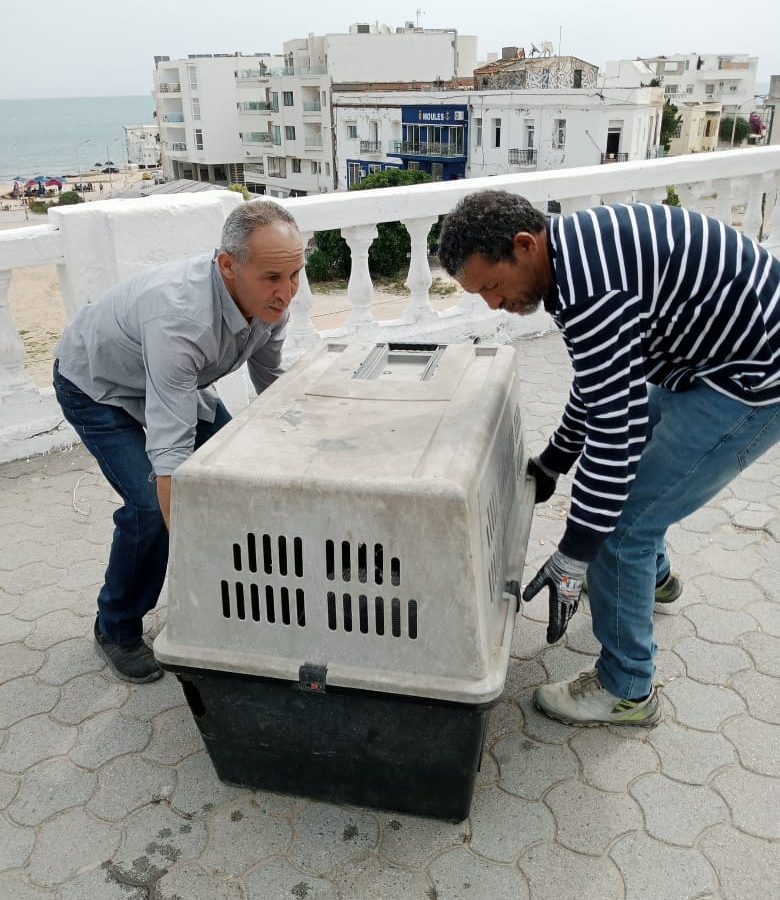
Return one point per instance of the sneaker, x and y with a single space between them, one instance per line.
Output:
131 661
669 589
585 702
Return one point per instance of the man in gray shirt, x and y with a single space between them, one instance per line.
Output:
132 374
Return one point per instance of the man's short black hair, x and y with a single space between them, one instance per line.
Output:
485 222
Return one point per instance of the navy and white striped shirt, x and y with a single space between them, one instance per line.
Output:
650 293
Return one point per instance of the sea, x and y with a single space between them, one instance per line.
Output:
59 136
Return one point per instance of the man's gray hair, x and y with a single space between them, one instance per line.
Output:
240 224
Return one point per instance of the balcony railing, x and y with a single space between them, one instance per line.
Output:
424 148
176 146
370 146
253 74
257 137
94 244
519 157
173 117
257 106
254 169
169 87
613 158
312 106
313 143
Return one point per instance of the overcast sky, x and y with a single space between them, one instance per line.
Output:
76 48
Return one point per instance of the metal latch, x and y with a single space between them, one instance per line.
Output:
312 677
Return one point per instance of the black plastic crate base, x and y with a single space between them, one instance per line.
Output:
367 748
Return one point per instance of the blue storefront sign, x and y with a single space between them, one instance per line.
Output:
434 140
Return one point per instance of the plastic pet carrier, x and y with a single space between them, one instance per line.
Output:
343 579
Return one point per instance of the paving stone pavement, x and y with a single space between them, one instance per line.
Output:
106 792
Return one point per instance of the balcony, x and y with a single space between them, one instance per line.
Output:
169 87
313 143
370 146
173 118
256 137
250 107
312 106
253 75
518 157
433 150
175 146
254 169
613 158
88 245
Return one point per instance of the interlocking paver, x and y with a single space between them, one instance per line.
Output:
588 820
653 870
757 744
754 801
50 787
529 769
746 866
280 879
458 874
688 755
69 844
610 762
153 822
677 813
503 825
327 836
241 835
555 873
23 697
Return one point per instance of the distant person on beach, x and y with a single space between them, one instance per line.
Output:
132 374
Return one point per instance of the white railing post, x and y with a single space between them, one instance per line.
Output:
752 221
12 377
419 279
772 240
301 332
723 199
360 288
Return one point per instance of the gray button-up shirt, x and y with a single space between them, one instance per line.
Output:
153 345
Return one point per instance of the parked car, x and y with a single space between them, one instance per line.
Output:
110 170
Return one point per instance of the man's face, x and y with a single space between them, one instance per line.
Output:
517 285
264 285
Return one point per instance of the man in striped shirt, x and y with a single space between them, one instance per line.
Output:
672 323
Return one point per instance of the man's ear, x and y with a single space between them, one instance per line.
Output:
523 242
226 263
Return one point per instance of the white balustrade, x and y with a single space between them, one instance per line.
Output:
100 243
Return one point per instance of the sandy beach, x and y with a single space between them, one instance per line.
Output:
36 303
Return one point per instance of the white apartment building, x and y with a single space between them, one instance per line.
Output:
265 121
725 78
143 145
467 134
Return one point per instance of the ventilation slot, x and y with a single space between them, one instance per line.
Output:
284 610
270 611
355 613
254 593
355 563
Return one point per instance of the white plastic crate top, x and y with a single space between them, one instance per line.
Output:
362 514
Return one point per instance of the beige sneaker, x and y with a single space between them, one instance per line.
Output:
584 701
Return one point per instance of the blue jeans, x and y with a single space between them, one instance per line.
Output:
700 440
139 550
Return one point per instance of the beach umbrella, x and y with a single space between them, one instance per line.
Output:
52 180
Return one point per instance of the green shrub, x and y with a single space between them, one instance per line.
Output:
671 196
69 198
240 189
38 206
318 267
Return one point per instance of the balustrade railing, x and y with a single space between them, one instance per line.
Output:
96 244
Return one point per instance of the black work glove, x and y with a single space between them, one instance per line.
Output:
546 479
563 576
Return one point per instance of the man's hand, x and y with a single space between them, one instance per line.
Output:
164 498
546 480
563 576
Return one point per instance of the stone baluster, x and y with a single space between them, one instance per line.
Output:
12 376
419 279
772 238
723 199
360 288
751 224
301 331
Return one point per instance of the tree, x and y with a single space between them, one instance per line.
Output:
388 253
669 122
741 130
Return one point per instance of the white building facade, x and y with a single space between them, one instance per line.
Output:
143 145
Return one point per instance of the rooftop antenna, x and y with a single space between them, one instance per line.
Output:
420 12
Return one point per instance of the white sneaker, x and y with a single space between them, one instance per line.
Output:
585 702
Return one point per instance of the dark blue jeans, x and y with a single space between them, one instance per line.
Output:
139 550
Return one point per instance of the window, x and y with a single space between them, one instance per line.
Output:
277 167
289 132
374 167
275 101
677 130
296 166
198 139
195 108
559 134
277 134
324 101
530 135
192 74
412 165
354 173
477 132
351 132
287 98
496 132
327 168
578 78
315 167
